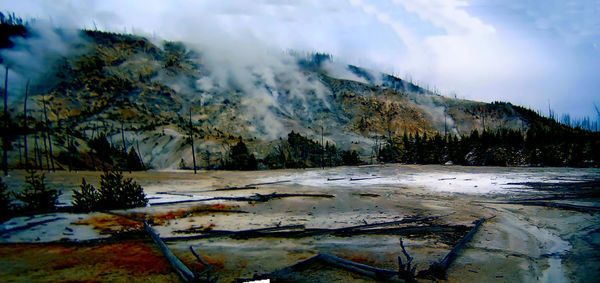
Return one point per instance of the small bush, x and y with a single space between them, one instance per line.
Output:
115 192
37 196
86 199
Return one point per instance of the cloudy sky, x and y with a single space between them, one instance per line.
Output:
533 53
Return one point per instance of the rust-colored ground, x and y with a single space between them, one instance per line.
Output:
123 261
111 224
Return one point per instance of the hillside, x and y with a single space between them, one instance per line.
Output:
114 97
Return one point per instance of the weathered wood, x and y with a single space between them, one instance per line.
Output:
362 269
29 225
206 271
368 195
405 271
269 183
184 272
174 194
236 188
299 231
365 178
565 206
198 257
242 232
331 260
253 198
438 270
381 224
268 197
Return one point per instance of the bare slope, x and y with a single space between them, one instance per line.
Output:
142 95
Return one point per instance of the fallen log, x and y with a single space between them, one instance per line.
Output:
362 269
405 271
206 271
368 195
174 194
438 270
403 221
565 206
29 225
241 232
253 198
268 197
366 178
184 272
236 188
269 183
299 231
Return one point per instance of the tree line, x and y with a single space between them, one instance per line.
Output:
297 151
538 146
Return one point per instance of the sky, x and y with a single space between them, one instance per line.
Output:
535 53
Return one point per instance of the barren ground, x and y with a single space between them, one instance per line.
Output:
519 243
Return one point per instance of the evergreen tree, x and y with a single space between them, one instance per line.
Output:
37 196
240 158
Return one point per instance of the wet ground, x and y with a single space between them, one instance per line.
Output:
519 243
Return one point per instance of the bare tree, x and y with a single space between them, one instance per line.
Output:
4 137
48 137
192 141
25 126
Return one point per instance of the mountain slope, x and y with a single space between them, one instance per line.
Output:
144 96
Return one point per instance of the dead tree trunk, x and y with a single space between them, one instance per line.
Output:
36 152
49 137
123 138
25 126
438 270
192 141
184 272
4 137
45 153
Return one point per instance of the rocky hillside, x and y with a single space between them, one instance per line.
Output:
145 98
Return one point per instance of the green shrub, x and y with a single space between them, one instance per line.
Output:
37 196
86 199
115 192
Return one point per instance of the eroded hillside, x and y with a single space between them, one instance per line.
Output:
146 98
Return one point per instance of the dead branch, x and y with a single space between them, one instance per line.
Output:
206 271
565 206
253 198
404 270
362 269
236 188
366 178
438 270
268 197
269 183
172 193
184 272
299 231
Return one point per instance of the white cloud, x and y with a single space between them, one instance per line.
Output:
523 51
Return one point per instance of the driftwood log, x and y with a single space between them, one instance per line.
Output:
252 198
331 260
298 231
565 206
438 270
184 272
